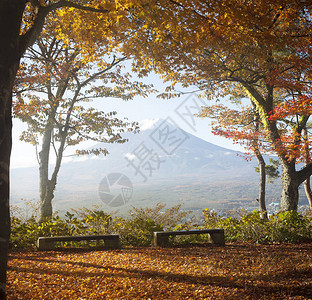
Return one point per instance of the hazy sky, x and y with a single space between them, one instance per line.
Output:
179 110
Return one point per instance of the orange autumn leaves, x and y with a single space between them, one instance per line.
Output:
241 125
213 44
293 111
192 272
294 106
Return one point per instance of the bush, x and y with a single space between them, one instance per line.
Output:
25 234
94 221
287 226
136 231
290 226
229 224
138 228
169 218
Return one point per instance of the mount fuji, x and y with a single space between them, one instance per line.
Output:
162 164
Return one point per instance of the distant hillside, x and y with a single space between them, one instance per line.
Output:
163 163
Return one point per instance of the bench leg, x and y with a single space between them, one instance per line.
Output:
112 244
218 238
161 240
45 245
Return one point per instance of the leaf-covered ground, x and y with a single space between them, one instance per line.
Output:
235 271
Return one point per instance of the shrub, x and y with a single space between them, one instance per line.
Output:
25 234
169 218
229 224
94 221
287 226
136 231
290 226
138 228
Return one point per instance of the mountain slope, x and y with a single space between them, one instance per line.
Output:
163 163
166 150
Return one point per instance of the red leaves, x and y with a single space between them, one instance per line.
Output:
293 114
296 106
233 272
241 125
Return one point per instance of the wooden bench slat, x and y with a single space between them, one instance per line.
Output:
192 231
161 238
80 237
47 243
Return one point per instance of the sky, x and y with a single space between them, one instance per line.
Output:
179 111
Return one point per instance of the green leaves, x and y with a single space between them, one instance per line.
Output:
136 229
250 227
271 170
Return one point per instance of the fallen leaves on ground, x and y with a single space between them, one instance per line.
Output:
236 271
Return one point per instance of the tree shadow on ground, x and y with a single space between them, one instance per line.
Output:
267 285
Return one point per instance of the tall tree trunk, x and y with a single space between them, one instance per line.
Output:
261 165
291 178
290 188
307 189
262 183
44 186
11 12
307 186
46 210
5 151
47 186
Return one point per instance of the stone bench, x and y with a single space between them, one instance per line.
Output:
161 238
111 241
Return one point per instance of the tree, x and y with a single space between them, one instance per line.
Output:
307 160
243 126
257 49
254 47
271 170
58 78
21 22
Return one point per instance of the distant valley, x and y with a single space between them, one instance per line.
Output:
160 164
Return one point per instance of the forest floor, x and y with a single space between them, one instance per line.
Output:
236 271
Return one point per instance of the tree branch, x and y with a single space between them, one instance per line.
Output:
304 173
255 94
95 75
